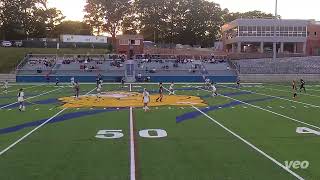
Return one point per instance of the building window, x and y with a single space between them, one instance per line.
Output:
124 42
315 33
135 42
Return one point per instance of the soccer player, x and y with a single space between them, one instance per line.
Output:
171 89
5 86
214 90
146 100
122 82
238 83
21 100
294 86
72 81
99 88
57 81
77 90
207 83
302 84
160 93
294 89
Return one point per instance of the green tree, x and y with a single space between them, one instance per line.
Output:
230 16
94 16
113 13
194 22
72 27
21 19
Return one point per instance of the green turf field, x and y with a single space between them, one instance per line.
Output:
243 134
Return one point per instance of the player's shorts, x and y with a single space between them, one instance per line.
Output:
20 99
145 100
214 90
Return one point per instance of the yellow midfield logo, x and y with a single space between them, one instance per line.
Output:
128 99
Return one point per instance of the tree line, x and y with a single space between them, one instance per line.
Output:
193 22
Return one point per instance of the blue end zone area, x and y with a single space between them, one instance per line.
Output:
196 78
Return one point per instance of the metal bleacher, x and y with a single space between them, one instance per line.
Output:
113 67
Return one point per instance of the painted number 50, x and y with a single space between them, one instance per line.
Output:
146 133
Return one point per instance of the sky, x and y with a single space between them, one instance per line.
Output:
288 9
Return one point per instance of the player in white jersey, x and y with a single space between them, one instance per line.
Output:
72 82
214 90
21 100
146 99
99 88
5 86
171 89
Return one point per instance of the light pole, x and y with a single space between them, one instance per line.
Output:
274 32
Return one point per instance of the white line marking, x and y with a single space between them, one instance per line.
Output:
132 149
275 113
306 94
299 102
33 130
281 107
269 107
16 90
31 98
313 90
287 86
251 145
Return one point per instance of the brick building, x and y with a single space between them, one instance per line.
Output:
129 45
313 41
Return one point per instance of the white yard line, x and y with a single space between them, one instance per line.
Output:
35 129
31 98
251 145
132 145
263 109
299 102
132 149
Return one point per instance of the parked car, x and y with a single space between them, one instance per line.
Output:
6 44
18 43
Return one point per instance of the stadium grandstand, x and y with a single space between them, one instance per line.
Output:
154 68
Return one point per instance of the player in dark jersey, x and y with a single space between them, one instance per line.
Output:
302 84
122 82
77 90
160 93
238 83
57 81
